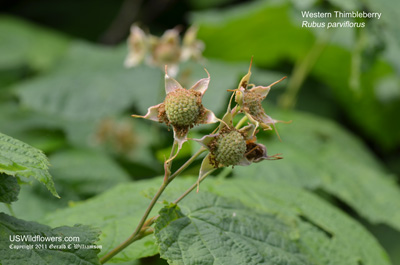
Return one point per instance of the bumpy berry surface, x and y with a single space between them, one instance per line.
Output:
182 107
252 101
230 148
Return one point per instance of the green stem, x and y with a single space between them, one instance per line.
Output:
301 71
137 233
187 163
173 149
192 187
188 190
168 163
241 122
140 230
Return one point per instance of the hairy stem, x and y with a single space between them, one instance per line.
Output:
187 163
192 187
137 233
141 229
168 163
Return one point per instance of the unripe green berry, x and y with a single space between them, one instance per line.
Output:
252 102
182 107
230 148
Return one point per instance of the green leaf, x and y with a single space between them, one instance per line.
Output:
30 127
216 230
85 172
80 93
233 34
34 202
98 86
42 252
363 95
390 10
319 154
121 209
325 233
22 160
22 43
9 188
79 174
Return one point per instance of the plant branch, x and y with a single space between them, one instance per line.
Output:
143 226
192 187
137 234
187 163
168 163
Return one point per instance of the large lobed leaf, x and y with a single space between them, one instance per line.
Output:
318 231
326 235
87 89
115 212
79 93
45 251
233 34
319 154
22 160
85 172
79 174
22 43
215 230
29 127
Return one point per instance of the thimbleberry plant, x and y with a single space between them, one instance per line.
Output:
228 145
128 186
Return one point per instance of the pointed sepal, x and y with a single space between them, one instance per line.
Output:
261 90
249 131
245 80
209 117
206 140
152 113
226 120
202 85
170 83
180 138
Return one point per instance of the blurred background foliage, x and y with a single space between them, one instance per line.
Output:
64 90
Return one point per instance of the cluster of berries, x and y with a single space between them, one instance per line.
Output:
229 145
